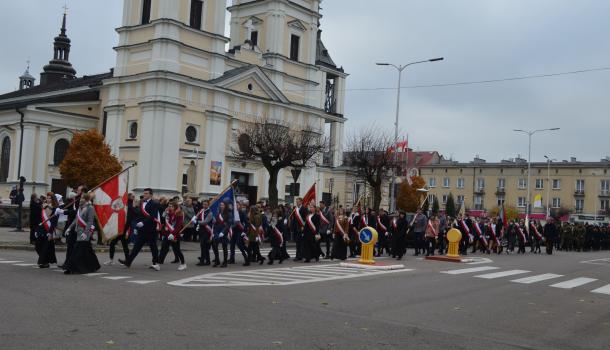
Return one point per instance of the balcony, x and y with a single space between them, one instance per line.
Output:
479 190
604 193
579 193
479 207
500 191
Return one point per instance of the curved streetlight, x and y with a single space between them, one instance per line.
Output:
400 68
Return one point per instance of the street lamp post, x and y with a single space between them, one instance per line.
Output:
529 166
548 185
400 68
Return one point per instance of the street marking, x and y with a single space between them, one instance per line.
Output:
95 274
604 262
603 290
537 278
477 261
502 274
24 265
277 276
470 270
10 261
116 278
577 282
143 282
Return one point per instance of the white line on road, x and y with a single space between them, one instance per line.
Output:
10 261
24 265
143 282
470 270
603 290
116 278
502 274
604 262
95 274
577 282
537 278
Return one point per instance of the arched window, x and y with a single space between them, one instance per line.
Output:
5 158
133 130
60 150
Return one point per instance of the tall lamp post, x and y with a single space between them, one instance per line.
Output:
529 165
548 185
400 68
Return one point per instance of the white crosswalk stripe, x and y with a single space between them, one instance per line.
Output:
143 282
95 274
10 261
116 278
25 265
470 270
603 290
573 283
278 276
502 274
537 278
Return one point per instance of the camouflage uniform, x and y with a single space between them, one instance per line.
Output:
579 237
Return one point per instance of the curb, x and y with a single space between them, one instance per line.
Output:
373 267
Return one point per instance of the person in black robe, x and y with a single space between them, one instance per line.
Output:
83 259
45 234
399 239
340 238
35 218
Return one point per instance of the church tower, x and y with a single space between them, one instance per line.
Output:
26 81
59 68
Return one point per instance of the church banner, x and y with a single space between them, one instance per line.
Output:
215 173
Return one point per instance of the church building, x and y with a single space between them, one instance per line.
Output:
178 96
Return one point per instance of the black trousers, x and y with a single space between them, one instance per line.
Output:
149 238
254 251
165 244
430 245
549 246
327 239
70 242
298 238
45 250
225 253
204 244
419 242
112 246
237 240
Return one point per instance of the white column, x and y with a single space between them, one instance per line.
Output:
42 160
114 123
336 143
28 155
158 161
170 9
215 146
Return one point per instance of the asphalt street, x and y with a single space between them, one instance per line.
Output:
507 302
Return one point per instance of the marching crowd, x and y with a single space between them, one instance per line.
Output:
319 232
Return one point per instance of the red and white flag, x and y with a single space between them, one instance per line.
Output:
110 204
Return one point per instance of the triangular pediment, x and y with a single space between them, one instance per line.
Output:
297 25
250 80
255 20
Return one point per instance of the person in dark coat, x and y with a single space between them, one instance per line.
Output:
550 235
35 218
70 209
399 240
340 238
45 234
83 258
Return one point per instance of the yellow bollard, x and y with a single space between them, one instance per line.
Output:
454 236
368 238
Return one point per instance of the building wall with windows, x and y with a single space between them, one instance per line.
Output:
582 187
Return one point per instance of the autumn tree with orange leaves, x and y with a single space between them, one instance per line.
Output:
409 198
88 161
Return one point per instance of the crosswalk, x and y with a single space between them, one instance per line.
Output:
279 276
537 278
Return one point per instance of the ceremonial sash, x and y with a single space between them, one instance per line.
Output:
278 236
323 218
219 219
394 224
351 218
523 238
364 220
208 229
339 228
157 220
299 218
432 228
381 227
230 233
312 227
259 231
169 227
239 225
493 234
45 221
536 233
480 234
467 230
80 221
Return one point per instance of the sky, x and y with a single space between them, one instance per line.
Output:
480 40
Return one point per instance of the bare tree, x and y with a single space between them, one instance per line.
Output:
278 146
368 152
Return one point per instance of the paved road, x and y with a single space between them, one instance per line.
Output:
507 302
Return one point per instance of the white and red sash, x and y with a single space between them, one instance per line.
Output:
432 228
310 224
339 228
521 234
364 220
239 225
208 230
323 218
169 227
45 221
466 229
534 229
493 234
80 221
259 231
394 224
230 233
157 220
381 227
220 220
480 234
297 214
278 236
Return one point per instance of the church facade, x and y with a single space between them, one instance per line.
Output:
179 95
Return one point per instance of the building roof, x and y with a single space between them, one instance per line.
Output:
231 73
322 56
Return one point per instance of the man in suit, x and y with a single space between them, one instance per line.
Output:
297 224
325 228
146 226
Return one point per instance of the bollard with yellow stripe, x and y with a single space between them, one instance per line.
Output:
454 236
368 238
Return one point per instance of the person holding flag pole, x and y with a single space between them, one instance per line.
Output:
174 220
83 259
202 222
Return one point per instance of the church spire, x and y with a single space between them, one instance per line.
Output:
59 68
26 81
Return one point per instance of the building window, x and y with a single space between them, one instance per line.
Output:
5 158
480 183
501 183
191 134
432 182
522 183
196 13
501 200
460 182
146 11
430 200
60 150
446 182
460 199
294 47
580 186
604 187
478 202
539 184
254 38
580 205
556 202
445 199
556 184
521 202
133 130
603 204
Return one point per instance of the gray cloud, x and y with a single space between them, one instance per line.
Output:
480 39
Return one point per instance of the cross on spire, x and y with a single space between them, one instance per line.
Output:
65 7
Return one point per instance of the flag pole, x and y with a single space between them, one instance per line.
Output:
91 190
212 201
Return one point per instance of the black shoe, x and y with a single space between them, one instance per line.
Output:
200 264
281 261
67 272
231 261
175 261
307 261
216 263
261 261
224 264
43 266
270 262
297 259
247 263
124 263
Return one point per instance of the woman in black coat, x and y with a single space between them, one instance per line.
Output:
35 210
399 239
45 234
